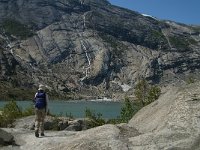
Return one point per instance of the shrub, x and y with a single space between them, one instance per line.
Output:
114 121
10 112
96 119
127 111
141 91
182 43
153 94
13 27
145 94
28 111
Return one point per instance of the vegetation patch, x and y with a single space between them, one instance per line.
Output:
96 119
13 27
128 110
157 34
154 39
145 93
11 112
182 43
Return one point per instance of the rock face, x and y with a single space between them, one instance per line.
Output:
75 47
171 122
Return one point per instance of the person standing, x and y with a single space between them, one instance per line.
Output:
41 107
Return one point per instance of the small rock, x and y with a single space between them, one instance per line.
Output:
75 125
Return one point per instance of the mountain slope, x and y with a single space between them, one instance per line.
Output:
91 48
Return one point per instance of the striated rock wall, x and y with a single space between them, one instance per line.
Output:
76 47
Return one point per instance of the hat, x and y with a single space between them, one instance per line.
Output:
41 87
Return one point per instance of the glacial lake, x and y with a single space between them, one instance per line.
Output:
108 109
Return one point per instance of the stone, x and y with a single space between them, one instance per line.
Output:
62 125
25 123
171 122
6 138
75 125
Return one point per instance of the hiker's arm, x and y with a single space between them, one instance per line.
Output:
47 103
34 98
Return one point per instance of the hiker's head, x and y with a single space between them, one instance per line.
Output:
41 87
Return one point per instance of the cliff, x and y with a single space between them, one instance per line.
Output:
90 49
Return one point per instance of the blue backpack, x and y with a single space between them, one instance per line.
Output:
40 100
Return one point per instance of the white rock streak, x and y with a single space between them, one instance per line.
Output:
84 25
86 53
87 69
124 87
145 15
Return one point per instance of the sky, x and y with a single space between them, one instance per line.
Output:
182 11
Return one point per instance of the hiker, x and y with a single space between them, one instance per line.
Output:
41 103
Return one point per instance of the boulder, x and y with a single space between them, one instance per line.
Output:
172 122
25 122
6 138
55 123
103 137
75 125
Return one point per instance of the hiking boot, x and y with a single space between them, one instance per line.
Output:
36 134
42 134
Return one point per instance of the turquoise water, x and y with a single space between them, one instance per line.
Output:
77 108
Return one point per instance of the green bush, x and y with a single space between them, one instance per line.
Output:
96 119
154 93
28 111
182 43
127 111
114 121
145 94
141 91
10 112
